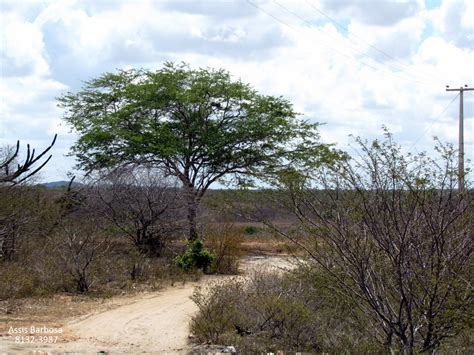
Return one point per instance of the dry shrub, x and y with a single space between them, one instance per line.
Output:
40 276
270 312
218 311
224 241
123 268
16 281
63 244
36 274
45 270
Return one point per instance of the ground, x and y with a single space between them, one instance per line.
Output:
151 321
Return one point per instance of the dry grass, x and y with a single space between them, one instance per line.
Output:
266 247
255 239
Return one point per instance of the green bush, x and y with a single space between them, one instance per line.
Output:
251 230
195 257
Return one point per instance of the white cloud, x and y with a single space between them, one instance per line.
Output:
445 60
227 9
22 47
329 77
381 13
398 42
454 20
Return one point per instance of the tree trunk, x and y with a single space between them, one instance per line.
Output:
192 201
81 282
389 342
192 212
408 347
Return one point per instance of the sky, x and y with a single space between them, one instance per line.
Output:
354 65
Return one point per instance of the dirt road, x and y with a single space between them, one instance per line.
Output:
155 322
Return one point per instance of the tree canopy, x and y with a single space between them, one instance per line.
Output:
196 124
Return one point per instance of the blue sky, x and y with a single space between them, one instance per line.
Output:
355 65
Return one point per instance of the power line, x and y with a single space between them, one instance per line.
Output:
307 22
332 48
272 16
411 78
433 121
295 29
344 28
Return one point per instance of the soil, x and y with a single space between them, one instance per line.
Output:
150 322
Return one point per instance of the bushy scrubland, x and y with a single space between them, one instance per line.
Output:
300 311
268 312
385 244
103 239
389 233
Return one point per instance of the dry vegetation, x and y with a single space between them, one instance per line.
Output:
387 237
68 262
268 312
386 255
93 240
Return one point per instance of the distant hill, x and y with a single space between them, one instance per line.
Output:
60 183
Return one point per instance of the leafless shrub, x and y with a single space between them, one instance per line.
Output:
395 236
78 235
224 241
270 312
22 210
11 219
78 246
142 205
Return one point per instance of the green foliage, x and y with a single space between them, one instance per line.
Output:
195 257
200 117
251 230
198 125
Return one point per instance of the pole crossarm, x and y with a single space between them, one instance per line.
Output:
460 89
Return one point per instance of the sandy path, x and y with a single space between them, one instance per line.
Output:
156 322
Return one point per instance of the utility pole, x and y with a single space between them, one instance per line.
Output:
461 135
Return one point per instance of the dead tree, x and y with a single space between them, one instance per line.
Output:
11 174
13 216
79 246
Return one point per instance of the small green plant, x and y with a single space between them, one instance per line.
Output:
251 230
195 257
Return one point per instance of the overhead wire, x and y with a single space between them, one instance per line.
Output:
351 58
387 55
433 121
307 22
295 29
410 78
270 15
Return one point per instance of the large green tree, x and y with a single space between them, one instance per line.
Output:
197 125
